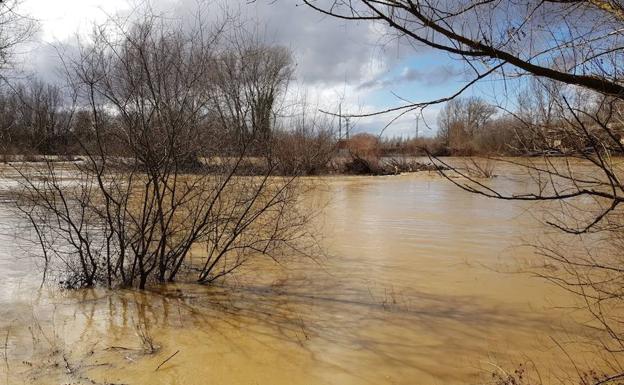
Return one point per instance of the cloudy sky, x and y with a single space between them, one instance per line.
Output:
359 64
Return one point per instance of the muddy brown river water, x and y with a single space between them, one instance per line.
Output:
418 286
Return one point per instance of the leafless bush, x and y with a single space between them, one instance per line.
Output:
147 341
364 155
480 168
392 147
364 146
517 377
160 177
305 146
361 165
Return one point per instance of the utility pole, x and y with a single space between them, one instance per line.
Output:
417 121
340 121
347 120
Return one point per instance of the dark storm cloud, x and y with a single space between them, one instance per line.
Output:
428 76
327 51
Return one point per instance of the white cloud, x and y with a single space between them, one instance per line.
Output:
60 20
336 60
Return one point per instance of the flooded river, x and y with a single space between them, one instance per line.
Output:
419 285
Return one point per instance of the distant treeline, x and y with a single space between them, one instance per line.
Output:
41 119
537 126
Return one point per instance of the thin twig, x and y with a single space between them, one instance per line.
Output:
6 348
165 361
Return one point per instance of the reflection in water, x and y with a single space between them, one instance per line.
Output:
409 293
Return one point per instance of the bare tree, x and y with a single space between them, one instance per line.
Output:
251 78
587 56
40 117
461 120
504 33
15 28
569 54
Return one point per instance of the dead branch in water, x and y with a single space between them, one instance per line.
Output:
167 360
147 341
6 349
